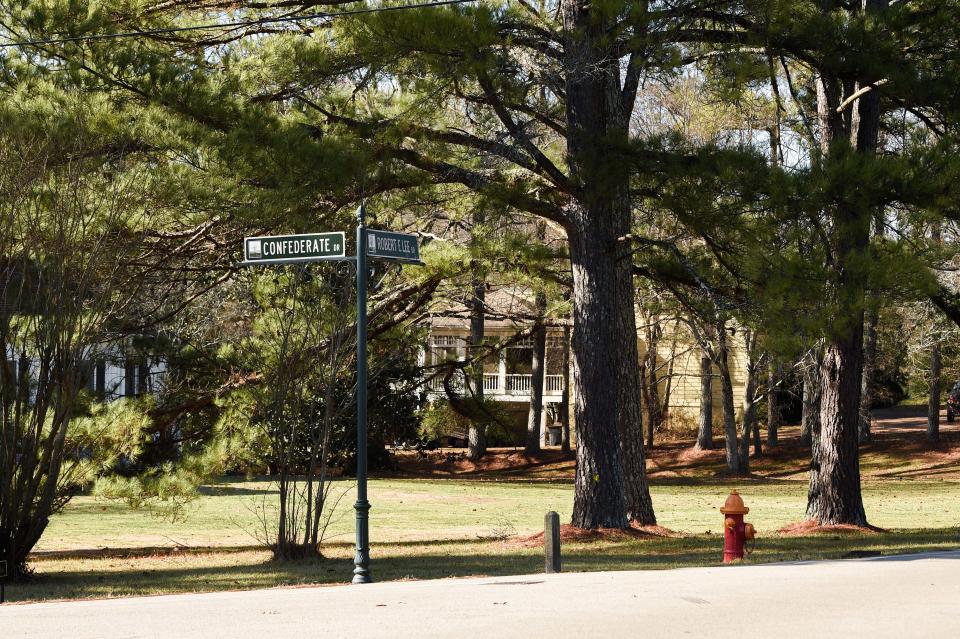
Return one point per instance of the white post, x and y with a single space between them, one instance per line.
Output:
502 372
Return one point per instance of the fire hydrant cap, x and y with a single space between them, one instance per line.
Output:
734 505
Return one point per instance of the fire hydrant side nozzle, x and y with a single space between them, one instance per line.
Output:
735 531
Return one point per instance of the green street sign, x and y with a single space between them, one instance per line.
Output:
393 246
310 247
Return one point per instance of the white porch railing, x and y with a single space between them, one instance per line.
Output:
435 384
513 384
553 384
517 384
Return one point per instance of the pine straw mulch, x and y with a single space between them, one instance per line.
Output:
899 435
453 462
812 527
572 534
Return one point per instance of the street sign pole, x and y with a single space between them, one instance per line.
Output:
361 570
388 246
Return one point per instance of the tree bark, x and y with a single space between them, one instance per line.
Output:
606 407
751 426
834 495
476 432
773 403
629 382
705 421
651 394
630 418
810 418
933 403
565 394
664 413
535 414
599 498
869 365
757 440
726 390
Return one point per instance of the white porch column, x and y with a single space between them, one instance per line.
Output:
502 372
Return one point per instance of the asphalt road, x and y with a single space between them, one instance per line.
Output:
907 596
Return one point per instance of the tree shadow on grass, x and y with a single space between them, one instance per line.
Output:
99 578
337 541
235 490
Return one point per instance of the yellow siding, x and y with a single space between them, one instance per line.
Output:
685 384
684 404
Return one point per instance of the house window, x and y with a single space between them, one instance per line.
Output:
520 358
554 355
555 341
491 361
130 379
136 379
445 348
523 342
94 377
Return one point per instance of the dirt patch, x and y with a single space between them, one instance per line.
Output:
899 450
505 462
811 527
572 534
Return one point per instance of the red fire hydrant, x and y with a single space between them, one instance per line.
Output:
735 531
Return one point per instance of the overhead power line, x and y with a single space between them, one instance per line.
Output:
230 25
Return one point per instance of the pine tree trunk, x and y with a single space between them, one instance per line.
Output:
565 394
476 432
535 414
869 364
604 355
773 403
834 495
750 424
726 391
664 413
599 497
810 418
746 431
933 403
651 384
630 416
705 421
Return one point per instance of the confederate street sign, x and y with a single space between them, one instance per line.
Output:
393 246
310 247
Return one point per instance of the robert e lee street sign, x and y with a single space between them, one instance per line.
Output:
393 246
310 247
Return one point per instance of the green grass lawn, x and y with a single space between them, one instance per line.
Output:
440 528
420 510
